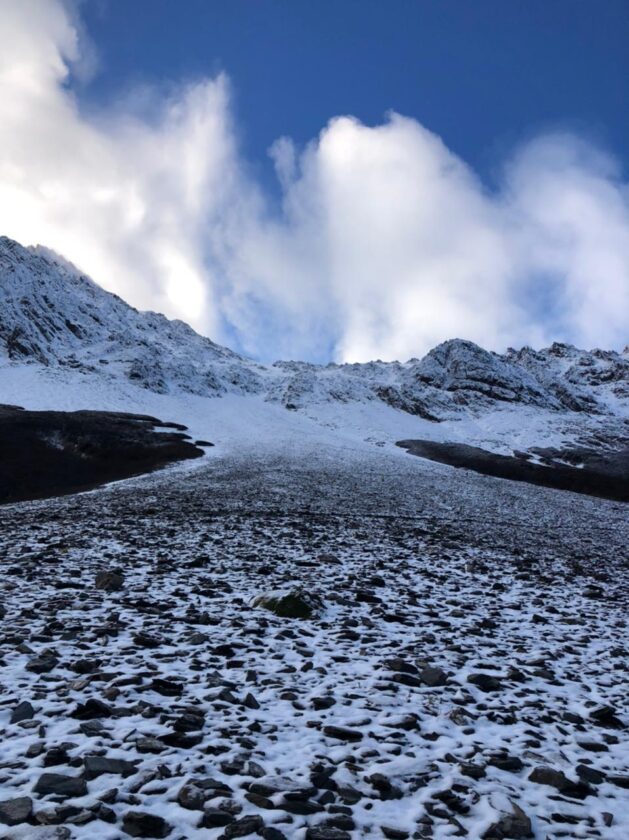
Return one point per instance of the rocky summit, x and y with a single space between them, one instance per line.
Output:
307 631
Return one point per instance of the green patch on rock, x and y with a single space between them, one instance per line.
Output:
293 604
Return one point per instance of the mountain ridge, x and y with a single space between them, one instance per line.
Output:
53 315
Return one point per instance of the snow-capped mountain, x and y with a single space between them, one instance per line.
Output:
52 315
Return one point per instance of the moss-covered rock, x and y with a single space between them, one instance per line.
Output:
294 603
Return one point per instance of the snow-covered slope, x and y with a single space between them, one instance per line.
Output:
52 316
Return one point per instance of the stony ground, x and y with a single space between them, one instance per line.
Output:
464 677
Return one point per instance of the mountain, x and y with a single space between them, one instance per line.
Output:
52 315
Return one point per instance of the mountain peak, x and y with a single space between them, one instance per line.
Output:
51 314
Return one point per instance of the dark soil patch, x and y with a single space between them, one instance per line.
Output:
52 453
604 474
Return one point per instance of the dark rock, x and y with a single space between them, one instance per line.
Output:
23 711
485 682
92 708
146 640
557 779
619 780
16 811
96 765
297 603
42 664
167 688
193 797
215 818
109 581
473 771
342 733
271 833
250 702
60 785
508 763
150 745
244 826
141 824
590 774
433 676
189 722
399 664
321 703
606 716
85 666
394 833
322 832
510 826
56 756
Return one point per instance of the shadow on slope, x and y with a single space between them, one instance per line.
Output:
52 453
595 473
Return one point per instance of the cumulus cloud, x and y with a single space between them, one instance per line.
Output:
385 242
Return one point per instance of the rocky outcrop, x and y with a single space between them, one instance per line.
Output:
51 314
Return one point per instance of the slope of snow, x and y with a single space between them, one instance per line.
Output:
51 315
67 343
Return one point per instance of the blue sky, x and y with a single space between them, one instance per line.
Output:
329 180
483 74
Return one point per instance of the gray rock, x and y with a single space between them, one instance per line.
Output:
193 797
327 832
96 765
485 682
16 811
296 603
557 779
109 581
141 824
244 826
433 676
343 733
215 818
23 711
42 664
510 826
60 785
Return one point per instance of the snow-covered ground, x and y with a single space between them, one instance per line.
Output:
466 673
418 566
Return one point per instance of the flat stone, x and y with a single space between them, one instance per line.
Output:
141 824
16 811
60 785
244 826
96 765
343 733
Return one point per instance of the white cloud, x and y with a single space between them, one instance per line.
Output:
386 242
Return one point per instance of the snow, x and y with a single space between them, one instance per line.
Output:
306 487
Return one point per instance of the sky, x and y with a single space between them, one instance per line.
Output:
329 181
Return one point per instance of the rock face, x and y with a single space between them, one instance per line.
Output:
48 453
51 314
